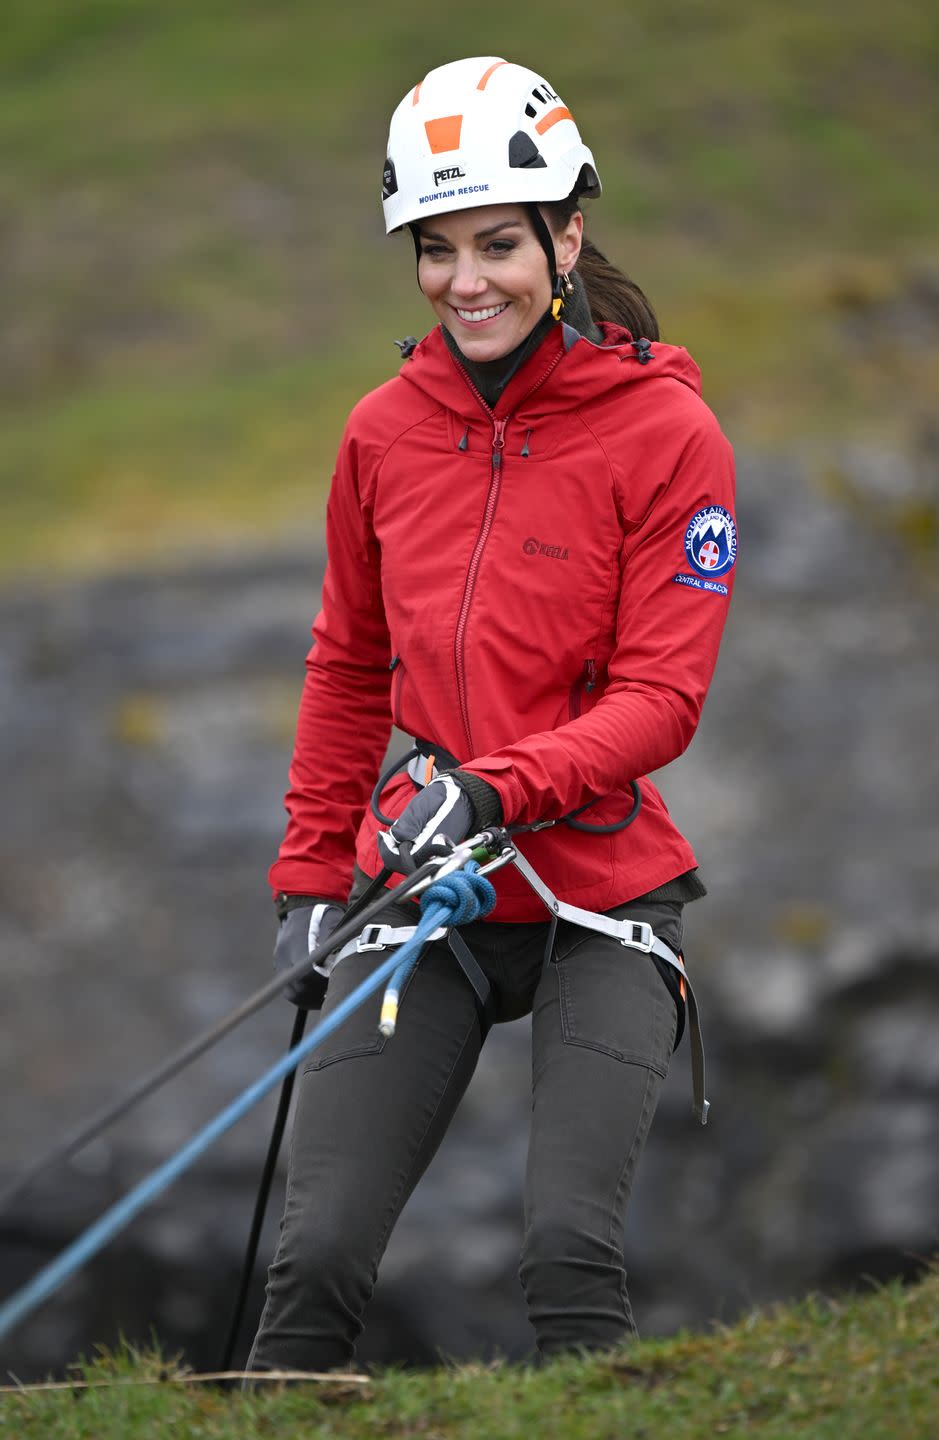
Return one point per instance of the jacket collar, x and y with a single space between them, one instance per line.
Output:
565 371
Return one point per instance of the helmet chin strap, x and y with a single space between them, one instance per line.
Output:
540 227
415 230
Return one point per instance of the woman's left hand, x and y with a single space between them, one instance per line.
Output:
439 817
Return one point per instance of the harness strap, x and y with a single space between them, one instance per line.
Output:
381 937
637 936
476 977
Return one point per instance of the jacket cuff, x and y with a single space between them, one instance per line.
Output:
284 903
484 798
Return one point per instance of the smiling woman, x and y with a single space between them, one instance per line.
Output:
484 273
525 530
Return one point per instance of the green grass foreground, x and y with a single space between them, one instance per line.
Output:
862 1366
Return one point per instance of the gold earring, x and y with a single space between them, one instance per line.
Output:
562 288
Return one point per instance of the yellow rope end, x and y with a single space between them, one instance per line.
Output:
389 1014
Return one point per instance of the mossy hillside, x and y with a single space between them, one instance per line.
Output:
198 287
860 1368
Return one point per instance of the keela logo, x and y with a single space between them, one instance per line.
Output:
452 173
531 546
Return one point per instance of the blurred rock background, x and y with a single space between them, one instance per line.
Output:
195 289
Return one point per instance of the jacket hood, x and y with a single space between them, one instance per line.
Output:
564 372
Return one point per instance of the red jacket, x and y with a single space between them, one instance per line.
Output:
549 582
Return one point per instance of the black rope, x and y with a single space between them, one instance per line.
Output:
383 779
273 1153
575 824
107 1116
260 1204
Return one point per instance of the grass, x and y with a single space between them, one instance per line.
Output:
197 286
862 1366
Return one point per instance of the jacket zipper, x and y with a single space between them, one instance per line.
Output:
585 683
495 483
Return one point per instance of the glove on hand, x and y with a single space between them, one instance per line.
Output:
439 816
302 930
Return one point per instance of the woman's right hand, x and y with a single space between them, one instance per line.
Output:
438 817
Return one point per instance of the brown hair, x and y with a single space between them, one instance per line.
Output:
611 294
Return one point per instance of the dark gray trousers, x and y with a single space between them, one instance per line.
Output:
371 1113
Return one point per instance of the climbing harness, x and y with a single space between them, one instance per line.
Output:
632 934
425 762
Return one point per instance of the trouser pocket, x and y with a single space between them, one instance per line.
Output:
358 1035
612 997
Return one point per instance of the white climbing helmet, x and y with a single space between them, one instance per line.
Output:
481 132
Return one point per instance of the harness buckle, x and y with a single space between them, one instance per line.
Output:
642 937
370 938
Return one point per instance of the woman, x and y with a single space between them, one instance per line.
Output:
531 549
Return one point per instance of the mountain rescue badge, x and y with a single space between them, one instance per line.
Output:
711 548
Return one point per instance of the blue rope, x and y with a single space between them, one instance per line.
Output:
447 901
461 898
467 895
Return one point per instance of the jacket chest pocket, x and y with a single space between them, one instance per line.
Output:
583 690
407 712
397 685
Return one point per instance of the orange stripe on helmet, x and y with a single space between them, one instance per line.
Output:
552 118
444 134
417 92
485 80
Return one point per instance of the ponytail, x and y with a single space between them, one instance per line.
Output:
610 294
613 296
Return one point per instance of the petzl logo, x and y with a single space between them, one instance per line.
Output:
711 542
531 546
452 173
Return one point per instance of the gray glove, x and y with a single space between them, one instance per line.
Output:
305 925
439 817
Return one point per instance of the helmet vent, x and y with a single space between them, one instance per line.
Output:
524 153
